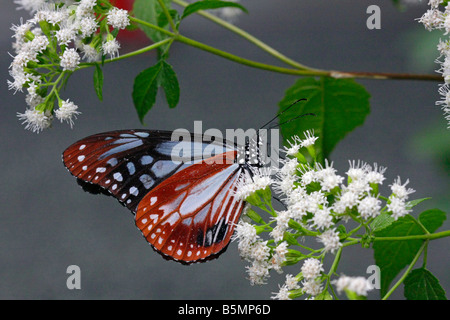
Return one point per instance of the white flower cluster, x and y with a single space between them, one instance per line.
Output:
358 285
52 44
262 257
438 17
317 199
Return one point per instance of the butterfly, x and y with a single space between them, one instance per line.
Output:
186 207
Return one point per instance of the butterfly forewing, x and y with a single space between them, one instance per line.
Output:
191 215
128 163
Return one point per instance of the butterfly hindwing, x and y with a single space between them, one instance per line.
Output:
191 216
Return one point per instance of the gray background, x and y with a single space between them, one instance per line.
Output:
48 223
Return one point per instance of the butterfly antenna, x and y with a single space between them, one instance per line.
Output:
295 118
287 108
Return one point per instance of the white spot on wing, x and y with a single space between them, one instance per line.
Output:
112 162
153 200
82 147
118 176
100 169
81 158
134 191
146 180
131 168
142 134
146 160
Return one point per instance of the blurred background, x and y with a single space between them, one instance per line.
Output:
48 222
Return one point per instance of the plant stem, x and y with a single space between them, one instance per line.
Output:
168 16
430 236
247 36
249 63
407 271
130 54
152 26
303 71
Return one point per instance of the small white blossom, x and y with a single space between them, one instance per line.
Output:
88 26
360 285
70 60
111 48
279 256
282 294
246 236
261 178
398 207
330 240
67 112
289 167
399 189
309 140
357 170
66 34
29 5
35 120
322 219
311 268
258 272
327 176
312 287
90 54
291 282
260 251
369 207
432 19
118 18
294 146
282 220
375 175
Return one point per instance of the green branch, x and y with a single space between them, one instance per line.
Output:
407 271
300 70
430 236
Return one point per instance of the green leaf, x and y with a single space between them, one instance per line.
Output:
393 256
381 222
421 284
146 86
98 81
168 80
163 21
145 89
415 202
252 214
149 11
340 105
210 4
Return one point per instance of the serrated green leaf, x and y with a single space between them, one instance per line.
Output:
98 81
421 284
146 86
149 11
167 78
415 202
381 222
393 256
145 89
340 105
210 4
